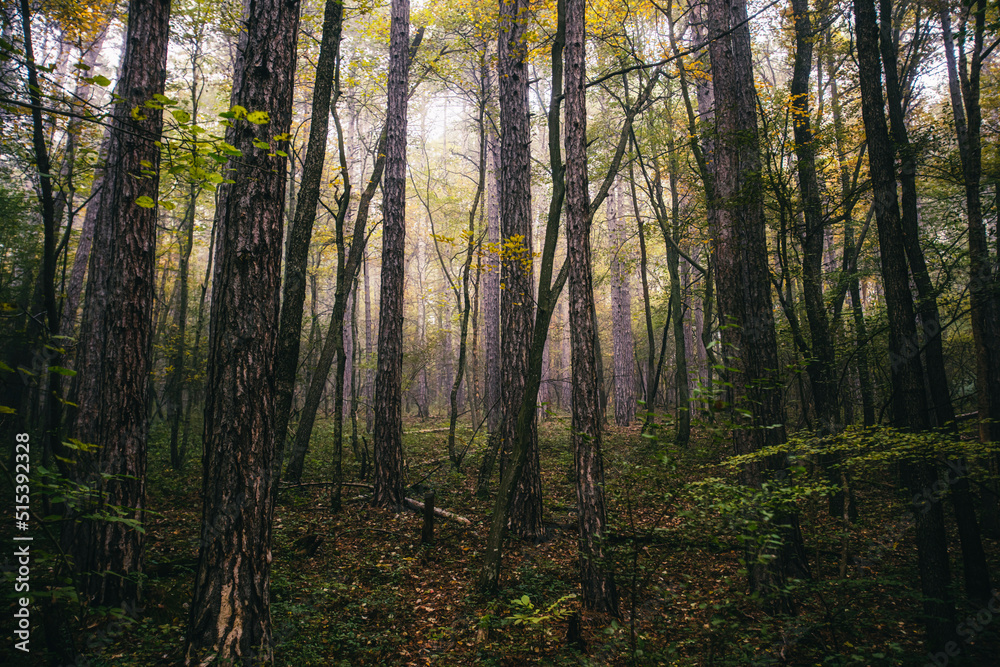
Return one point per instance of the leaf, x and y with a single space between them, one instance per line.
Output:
4 410
145 202
261 144
68 372
99 80
180 115
258 117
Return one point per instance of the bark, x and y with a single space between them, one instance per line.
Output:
114 362
599 591
683 435
908 400
516 308
369 353
821 361
230 610
491 292
548 288
984 311
621 315
744 296
388 436
300 234
964 87
850 251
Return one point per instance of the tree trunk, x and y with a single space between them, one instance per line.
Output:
850 251
300 234
177 381
646 306
491 293
516 307
744 294
621 314
230 610
908 400
683 435
114 361
599 591
821 362
388 436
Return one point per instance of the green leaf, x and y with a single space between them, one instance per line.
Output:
261 144
258 117
68 372
145 202
4 410
99 80
180 115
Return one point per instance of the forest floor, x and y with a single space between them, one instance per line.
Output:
371 594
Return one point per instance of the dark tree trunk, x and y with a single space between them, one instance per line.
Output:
850 263
598 581
230 610
821 363
984 316
388 436
114 357
516 307
964 86
908 400
673 261
300 234
743 275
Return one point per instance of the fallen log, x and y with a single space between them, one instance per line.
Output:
410 503
444 514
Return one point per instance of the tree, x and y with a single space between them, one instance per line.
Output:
114 356
908 403
964 91
742 273
599 591
491 291
300 234
388 436
621 316
230 610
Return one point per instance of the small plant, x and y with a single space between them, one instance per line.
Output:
527 614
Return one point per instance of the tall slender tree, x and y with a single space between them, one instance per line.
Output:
621 313
388 436
599 591
909 408
300 233
230 613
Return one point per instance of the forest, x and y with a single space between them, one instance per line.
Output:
500 332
